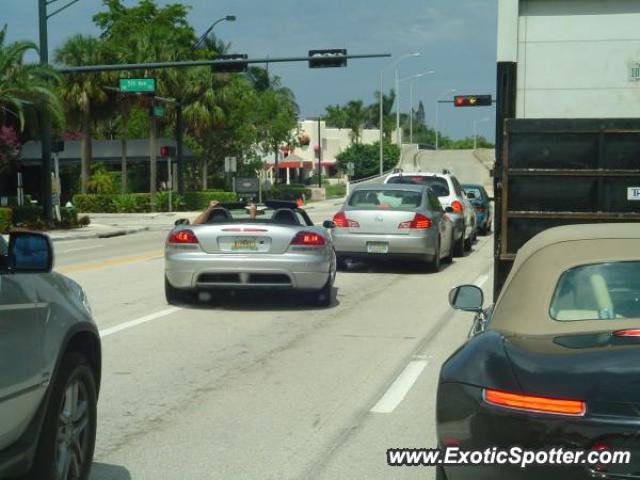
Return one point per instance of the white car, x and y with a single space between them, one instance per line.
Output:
450 193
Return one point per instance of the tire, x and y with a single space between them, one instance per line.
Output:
176 296
75 419
341 263
434 263
468 243
449 257
459 247
324 296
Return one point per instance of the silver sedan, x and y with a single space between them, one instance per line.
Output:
280 249
393 221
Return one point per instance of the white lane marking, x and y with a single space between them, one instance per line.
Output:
139 321
482 279
399 389
80 249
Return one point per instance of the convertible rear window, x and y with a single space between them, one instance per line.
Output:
437 184
601 291
390 199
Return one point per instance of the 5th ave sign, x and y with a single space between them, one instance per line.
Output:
137 85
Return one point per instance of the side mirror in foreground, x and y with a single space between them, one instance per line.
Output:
469 298
30 252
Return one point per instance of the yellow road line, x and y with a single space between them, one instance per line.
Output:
111 262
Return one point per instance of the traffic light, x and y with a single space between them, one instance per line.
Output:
472 101
327 58
231 67
167 151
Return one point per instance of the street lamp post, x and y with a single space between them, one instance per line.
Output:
475 131
411 79
392 64
451 90
228 18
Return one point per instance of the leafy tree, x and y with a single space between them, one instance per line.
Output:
26 89
82 93
335 116
366 158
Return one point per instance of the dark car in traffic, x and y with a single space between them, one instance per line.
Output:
554 363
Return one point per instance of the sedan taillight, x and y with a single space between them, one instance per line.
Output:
308 239
341 221
534 404
183 237
419 221
457 206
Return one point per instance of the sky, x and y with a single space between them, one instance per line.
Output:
456 38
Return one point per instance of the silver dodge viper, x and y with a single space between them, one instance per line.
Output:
277 248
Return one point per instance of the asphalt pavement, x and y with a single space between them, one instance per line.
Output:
261 386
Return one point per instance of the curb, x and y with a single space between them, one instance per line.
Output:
109 234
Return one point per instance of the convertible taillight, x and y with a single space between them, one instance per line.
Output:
183 236
419 221
308 239
534 404
341 221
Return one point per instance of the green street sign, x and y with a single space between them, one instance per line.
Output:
157 111
137 85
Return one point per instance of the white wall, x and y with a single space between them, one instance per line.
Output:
334 140
575 57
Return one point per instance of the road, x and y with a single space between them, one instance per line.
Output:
262 387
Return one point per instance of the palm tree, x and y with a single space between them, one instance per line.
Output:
83 94
25 88
356 116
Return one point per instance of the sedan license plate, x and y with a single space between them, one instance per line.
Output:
377 247
244 245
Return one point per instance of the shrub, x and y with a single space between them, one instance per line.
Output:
200 200
84 220
28 216
68 218
338 190
288 192
5 219
93 203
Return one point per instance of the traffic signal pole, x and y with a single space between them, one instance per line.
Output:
45 126
179 150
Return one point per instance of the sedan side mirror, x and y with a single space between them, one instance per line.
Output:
468 298
449 210
328 224
182 221
30 252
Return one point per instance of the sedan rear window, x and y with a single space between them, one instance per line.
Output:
394 199
601 291
437 184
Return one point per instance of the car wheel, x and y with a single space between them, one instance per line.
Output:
434 264
323 297
468 243
176 296
440 475
67 441
458 247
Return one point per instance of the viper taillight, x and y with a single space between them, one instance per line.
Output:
534 404
419 221
183 236
341 221
308 239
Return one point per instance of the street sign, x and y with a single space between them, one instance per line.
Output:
230 164
157 111
633 193
137 85
350 168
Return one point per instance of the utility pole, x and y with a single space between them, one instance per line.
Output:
45 127
179 150
319 155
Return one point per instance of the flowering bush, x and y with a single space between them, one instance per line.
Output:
9 148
